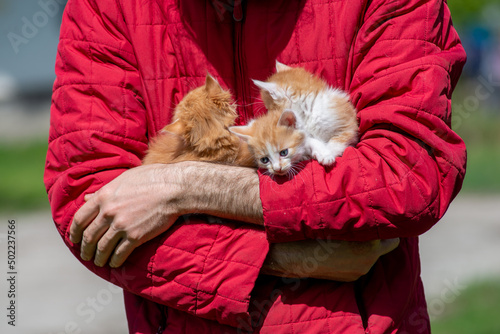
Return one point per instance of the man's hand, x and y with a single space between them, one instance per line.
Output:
333 260
137 206
145 201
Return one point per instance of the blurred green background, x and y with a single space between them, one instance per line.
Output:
476 105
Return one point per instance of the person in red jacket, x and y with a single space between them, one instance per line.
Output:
123 66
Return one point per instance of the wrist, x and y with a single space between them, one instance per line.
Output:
220 190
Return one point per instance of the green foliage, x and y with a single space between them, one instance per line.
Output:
21 167
479 130
483 164
475 311
466 11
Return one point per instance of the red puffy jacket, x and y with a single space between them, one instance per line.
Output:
121 68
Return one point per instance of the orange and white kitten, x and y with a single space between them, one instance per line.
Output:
199 131
307 119
275 142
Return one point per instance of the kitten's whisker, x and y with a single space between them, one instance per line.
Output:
252 103
272 180
297 168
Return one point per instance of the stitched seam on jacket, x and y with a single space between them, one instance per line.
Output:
88 84
203 269
427 112
351 195
212 258
159 278
92 102
342 198
417 215
402 39
375 189
296 39
324 3
151 265
60 137
370 200
95 43
375 78
315 60
368 193
419 125
126 114
331 316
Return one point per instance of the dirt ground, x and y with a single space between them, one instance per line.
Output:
55 294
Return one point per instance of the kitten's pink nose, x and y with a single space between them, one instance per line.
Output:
279 170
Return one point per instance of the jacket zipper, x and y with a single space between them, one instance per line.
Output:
238 16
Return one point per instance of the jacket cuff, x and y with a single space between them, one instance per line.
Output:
288 215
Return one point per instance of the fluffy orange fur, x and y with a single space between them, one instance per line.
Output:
268 134
306 119
199 131
303 83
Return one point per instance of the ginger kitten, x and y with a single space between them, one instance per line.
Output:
276 144
306 119
199 131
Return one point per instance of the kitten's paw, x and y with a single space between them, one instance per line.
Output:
324 159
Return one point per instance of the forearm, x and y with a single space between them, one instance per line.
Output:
223 191
233 193
325 259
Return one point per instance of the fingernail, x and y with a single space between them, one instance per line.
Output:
85 257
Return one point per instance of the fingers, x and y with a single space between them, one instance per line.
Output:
87 197
106 246
83 217
122 252
92 235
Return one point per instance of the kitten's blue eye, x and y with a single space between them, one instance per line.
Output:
284 153
264 160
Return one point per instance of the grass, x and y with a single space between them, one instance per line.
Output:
480 131
475 310
21 168
483 166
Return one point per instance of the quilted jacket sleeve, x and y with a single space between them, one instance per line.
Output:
98 130
408 166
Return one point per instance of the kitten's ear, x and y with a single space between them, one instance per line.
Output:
242 131
280 67
288 119
211 85
174 128
270 87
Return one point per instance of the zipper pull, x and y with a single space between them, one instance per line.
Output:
238 10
